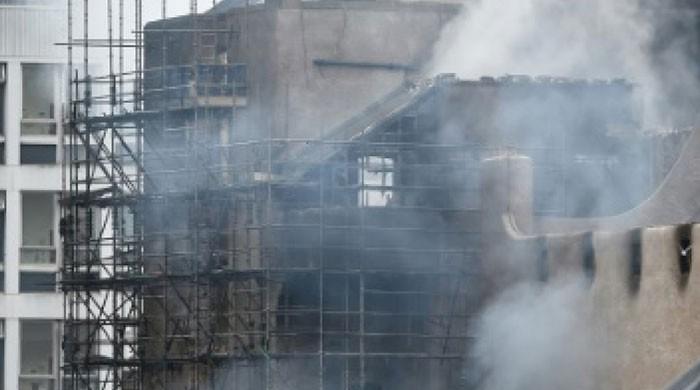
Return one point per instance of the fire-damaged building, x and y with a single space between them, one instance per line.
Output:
284 201
355 256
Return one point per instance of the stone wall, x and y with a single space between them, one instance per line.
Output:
640 283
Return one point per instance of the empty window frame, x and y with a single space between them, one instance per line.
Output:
38 105
37 154
38 228
376 177
38 352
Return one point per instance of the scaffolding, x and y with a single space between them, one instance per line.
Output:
194 259
102 242
203 254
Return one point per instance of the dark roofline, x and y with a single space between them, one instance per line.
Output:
234 5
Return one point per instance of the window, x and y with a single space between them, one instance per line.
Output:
37 154
635 260
685 252
38 228
3 81
2 227
37 282
38 110
376 177
37 355
2 242
2 354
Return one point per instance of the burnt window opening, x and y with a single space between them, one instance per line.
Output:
588 258
376 179
542 255
685 251
635 261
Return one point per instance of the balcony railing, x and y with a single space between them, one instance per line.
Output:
38 127
37 254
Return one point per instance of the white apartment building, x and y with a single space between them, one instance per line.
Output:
32 91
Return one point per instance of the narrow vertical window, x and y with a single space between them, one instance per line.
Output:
589 266
2 354
3 82
2 241
685 252
635 260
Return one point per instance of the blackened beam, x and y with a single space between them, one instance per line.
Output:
363 64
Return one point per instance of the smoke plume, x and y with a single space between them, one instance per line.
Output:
594 39
537 337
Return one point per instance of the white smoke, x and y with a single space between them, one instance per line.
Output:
594 38
537 337
591 39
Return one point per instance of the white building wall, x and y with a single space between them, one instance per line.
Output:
31 31
28 35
